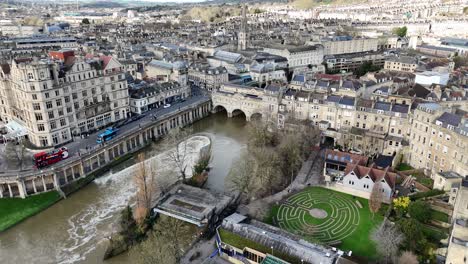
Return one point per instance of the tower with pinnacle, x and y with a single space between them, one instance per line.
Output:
242 38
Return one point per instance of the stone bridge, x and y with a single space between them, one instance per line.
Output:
252 107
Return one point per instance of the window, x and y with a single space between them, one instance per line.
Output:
34 96
53 125
44 86
36 106
67 99
41 75
30 76
33 88
51 114
46 95
60 112
63 122
40 127
38 116
84 93
57 92
49 105
58 102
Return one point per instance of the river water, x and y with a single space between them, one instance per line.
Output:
72 231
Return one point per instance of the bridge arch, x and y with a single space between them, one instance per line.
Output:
219 108
237 112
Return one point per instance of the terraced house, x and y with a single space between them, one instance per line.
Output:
51 100
439 138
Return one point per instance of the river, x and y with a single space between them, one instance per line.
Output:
72 230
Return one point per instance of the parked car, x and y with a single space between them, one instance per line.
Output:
167 105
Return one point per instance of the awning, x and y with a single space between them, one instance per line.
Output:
15 130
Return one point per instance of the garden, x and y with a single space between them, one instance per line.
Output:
327 217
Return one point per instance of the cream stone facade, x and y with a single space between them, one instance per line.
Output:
55 101
338 45
438 139
405 64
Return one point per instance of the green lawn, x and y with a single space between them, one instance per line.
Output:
356 239
14 210
439 216
404 167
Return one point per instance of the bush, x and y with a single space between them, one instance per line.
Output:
420 211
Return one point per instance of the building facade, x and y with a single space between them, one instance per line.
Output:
54 100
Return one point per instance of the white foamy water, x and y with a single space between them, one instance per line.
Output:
97 220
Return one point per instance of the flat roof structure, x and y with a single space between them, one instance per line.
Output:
193 205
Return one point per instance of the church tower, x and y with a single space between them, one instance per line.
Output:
242 37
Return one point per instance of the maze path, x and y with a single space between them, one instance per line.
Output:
338 225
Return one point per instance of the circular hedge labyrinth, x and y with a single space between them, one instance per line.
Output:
341 220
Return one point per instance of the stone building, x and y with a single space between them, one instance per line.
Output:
404 63
57 98
298 56
457 252
438 139
206 77
156 95
346 44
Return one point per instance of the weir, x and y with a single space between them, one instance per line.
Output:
79 166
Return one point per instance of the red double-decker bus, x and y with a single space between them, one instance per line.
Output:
43 159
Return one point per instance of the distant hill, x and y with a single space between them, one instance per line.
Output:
103 4
306 4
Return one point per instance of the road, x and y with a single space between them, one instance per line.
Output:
88 144
82 144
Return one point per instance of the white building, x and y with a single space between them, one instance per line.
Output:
299 56
432 77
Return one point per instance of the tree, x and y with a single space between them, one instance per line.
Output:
376 198
85 21
15 153
176 233
177 143
411 228
240 179
401 205
155 249
408 257
388 239
128 225
460 61
400 31
145 181
420 211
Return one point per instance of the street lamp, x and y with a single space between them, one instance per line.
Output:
272 250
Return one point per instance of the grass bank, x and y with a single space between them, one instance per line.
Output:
15 210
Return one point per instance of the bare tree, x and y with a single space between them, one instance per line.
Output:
388 239
240 177
15 153
155 249
145 181
177 235
376 198
408 257
268 167
176 142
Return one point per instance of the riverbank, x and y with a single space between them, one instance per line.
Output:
74 230
15 210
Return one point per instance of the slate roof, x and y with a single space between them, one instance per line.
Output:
449 119
333 98
400 108
347 101
382 106
299 78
